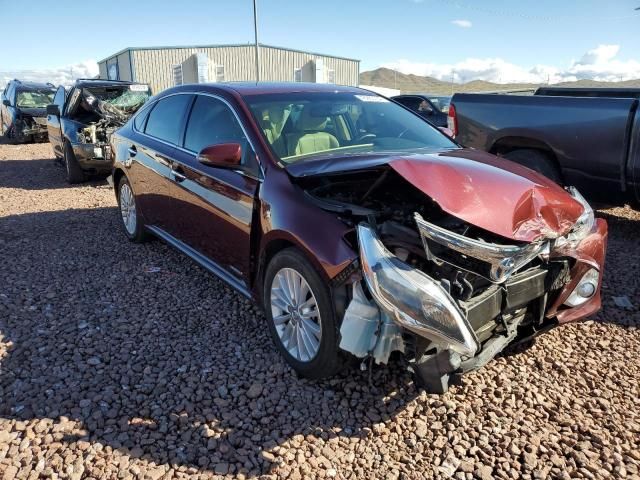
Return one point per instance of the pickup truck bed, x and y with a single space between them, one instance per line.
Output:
590 143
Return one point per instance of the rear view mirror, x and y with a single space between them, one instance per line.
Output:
6 103
53 110
222 155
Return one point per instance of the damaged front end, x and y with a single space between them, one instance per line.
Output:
98 111
447 294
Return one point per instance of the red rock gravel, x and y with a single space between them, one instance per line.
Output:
112 369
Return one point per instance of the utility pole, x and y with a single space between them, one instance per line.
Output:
453 74
255 29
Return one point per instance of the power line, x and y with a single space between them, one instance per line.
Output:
541 18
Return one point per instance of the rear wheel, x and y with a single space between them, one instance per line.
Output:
131 220
301 315
536 160
74 172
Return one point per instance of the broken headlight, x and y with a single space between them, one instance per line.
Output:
583 225
413 299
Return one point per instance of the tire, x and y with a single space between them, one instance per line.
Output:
325 361
536 160
74 172
132 222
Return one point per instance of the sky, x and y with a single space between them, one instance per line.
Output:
496 40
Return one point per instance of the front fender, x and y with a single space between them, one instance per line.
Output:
286 215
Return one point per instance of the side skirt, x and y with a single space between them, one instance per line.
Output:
201 260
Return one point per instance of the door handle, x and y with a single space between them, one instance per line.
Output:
178 176
132 151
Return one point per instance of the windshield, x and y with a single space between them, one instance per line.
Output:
300 126
441 103
123 97
34 98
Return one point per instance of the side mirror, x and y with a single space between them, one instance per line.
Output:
222 155
6 103
53 110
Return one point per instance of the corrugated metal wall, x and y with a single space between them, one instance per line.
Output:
154 66
124 66
103 69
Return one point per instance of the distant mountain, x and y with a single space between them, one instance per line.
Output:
407 83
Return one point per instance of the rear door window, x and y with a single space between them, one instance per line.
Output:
166 120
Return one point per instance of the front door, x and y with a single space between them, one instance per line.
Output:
216 205
53 122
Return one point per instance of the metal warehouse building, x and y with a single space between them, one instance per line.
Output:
164 67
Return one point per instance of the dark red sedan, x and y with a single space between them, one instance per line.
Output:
361 229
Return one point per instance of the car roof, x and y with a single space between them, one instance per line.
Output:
266 88
100 82
33 85
421 94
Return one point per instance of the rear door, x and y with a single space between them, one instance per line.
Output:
53 122
215 205
151 154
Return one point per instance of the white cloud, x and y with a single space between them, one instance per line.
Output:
58 76
462 23
601 64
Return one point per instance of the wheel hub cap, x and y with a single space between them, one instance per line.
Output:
128 208
295 313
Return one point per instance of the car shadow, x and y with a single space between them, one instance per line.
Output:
134 347
43 174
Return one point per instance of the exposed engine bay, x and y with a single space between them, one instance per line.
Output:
104 109
446 293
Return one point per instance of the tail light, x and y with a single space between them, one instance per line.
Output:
452 120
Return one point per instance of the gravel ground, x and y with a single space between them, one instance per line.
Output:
128 361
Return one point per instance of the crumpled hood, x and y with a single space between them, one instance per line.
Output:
489 192
492 193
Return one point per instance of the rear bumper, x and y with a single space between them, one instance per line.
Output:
588 254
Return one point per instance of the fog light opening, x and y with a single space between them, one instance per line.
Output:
585 289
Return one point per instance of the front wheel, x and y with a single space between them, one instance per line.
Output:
131 220
72 168
301 315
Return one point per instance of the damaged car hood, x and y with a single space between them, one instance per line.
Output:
489 192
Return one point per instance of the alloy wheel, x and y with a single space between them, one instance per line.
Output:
128 208
295 313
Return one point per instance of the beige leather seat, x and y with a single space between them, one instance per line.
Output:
311 137
272 124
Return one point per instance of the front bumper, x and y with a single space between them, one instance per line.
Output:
534 296
93 158
588 254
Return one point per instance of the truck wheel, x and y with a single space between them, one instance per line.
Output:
301 315
74 172
536 160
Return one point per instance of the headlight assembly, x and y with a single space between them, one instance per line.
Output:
412 298
583 225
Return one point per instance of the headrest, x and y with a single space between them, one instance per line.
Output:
308 122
